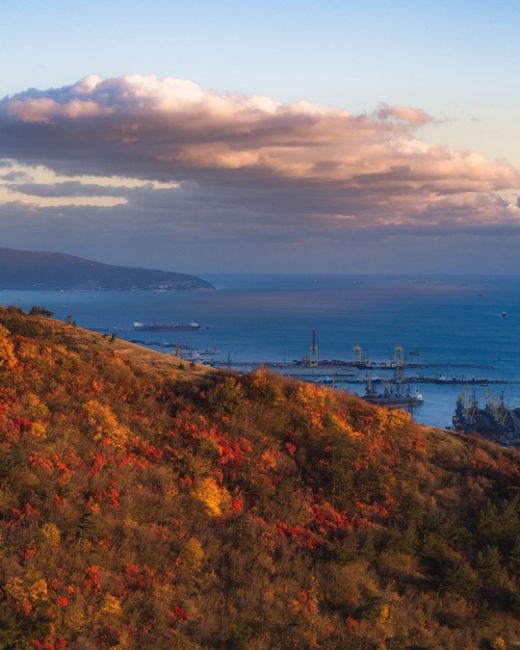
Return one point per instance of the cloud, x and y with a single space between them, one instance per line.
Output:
235 166
41 186
15 177
404 113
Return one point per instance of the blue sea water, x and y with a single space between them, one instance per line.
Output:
269 318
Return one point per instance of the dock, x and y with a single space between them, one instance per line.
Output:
339 374
452 381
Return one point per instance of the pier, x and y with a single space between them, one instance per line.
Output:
339 374
337 363
452 381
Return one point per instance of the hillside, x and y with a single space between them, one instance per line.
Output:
149 505
22 270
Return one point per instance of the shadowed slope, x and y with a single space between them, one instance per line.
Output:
40 270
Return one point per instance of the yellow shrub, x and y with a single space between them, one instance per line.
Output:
33 408
105 424
399 419
259 379
15 588
38 590
111 606
38 430
7 356
391 420
211 495
51 534
263 384
384 614
310 395
194 553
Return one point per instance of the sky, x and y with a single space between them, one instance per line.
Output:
263 137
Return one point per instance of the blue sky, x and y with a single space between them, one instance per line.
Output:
457 61
437 53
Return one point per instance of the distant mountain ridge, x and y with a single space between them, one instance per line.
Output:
26 270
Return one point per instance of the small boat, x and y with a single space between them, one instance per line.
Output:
503 314
209 352
324 380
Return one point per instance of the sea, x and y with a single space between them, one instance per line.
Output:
456 326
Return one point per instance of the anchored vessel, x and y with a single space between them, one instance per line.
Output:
166 327
392 395
495 420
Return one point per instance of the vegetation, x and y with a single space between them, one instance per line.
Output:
43 270
148 506
37 310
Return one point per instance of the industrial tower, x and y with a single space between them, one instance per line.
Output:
399 363
313 353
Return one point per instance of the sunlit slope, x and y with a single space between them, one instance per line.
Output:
146 505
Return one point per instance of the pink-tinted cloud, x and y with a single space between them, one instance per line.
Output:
369 171
44 110
404 113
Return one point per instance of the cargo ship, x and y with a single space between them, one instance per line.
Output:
392 395
192 326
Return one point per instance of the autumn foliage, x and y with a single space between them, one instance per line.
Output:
143 508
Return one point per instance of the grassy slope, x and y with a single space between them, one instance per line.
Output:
148 506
